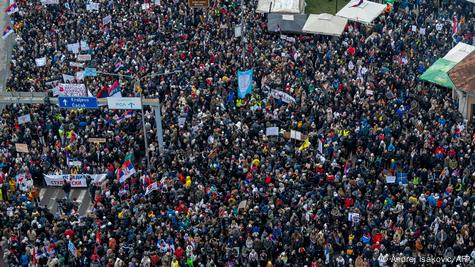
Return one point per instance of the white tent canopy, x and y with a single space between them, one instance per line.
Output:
459 52
325 24
366 12
281 6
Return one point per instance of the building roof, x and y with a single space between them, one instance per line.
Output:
292 23
463 74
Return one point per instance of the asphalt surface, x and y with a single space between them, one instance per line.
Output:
6 47
50 196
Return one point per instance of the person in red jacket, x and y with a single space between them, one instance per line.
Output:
179 252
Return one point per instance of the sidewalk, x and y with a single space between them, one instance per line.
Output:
6 47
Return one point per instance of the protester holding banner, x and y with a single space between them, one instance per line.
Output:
307 151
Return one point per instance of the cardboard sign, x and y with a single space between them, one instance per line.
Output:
198 3
294 135
96 140
22 148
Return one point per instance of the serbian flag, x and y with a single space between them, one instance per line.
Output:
151 187
346 169
455 25
114 90
129 114
8 30
104 92
358 4
118 65
12 9
124 172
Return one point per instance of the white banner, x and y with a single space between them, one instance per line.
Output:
281 95
272 131
92 6
40 62
107 20
85 57
73 48
76 64
72 89
77 180
49 2
24 119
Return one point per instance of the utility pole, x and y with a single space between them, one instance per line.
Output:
243 34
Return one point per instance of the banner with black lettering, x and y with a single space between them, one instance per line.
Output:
77 180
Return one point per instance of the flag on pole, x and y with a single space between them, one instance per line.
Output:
118 65
320 146
455 25
11 9
128 114
346 169
114 90
244 83
72 248
305 145
327 253
125 171
151 187
104 92
8 30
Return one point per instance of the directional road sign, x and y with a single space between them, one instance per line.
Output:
124 103
77 102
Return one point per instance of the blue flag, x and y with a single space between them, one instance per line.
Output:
401 178
244 83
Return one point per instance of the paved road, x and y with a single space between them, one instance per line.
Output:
6 47
49 197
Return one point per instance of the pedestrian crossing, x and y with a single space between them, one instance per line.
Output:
49 197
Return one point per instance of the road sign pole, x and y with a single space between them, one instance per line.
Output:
158 123
145 137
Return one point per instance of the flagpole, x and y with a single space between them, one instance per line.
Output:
243 34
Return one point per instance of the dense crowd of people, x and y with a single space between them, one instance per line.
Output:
227 194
